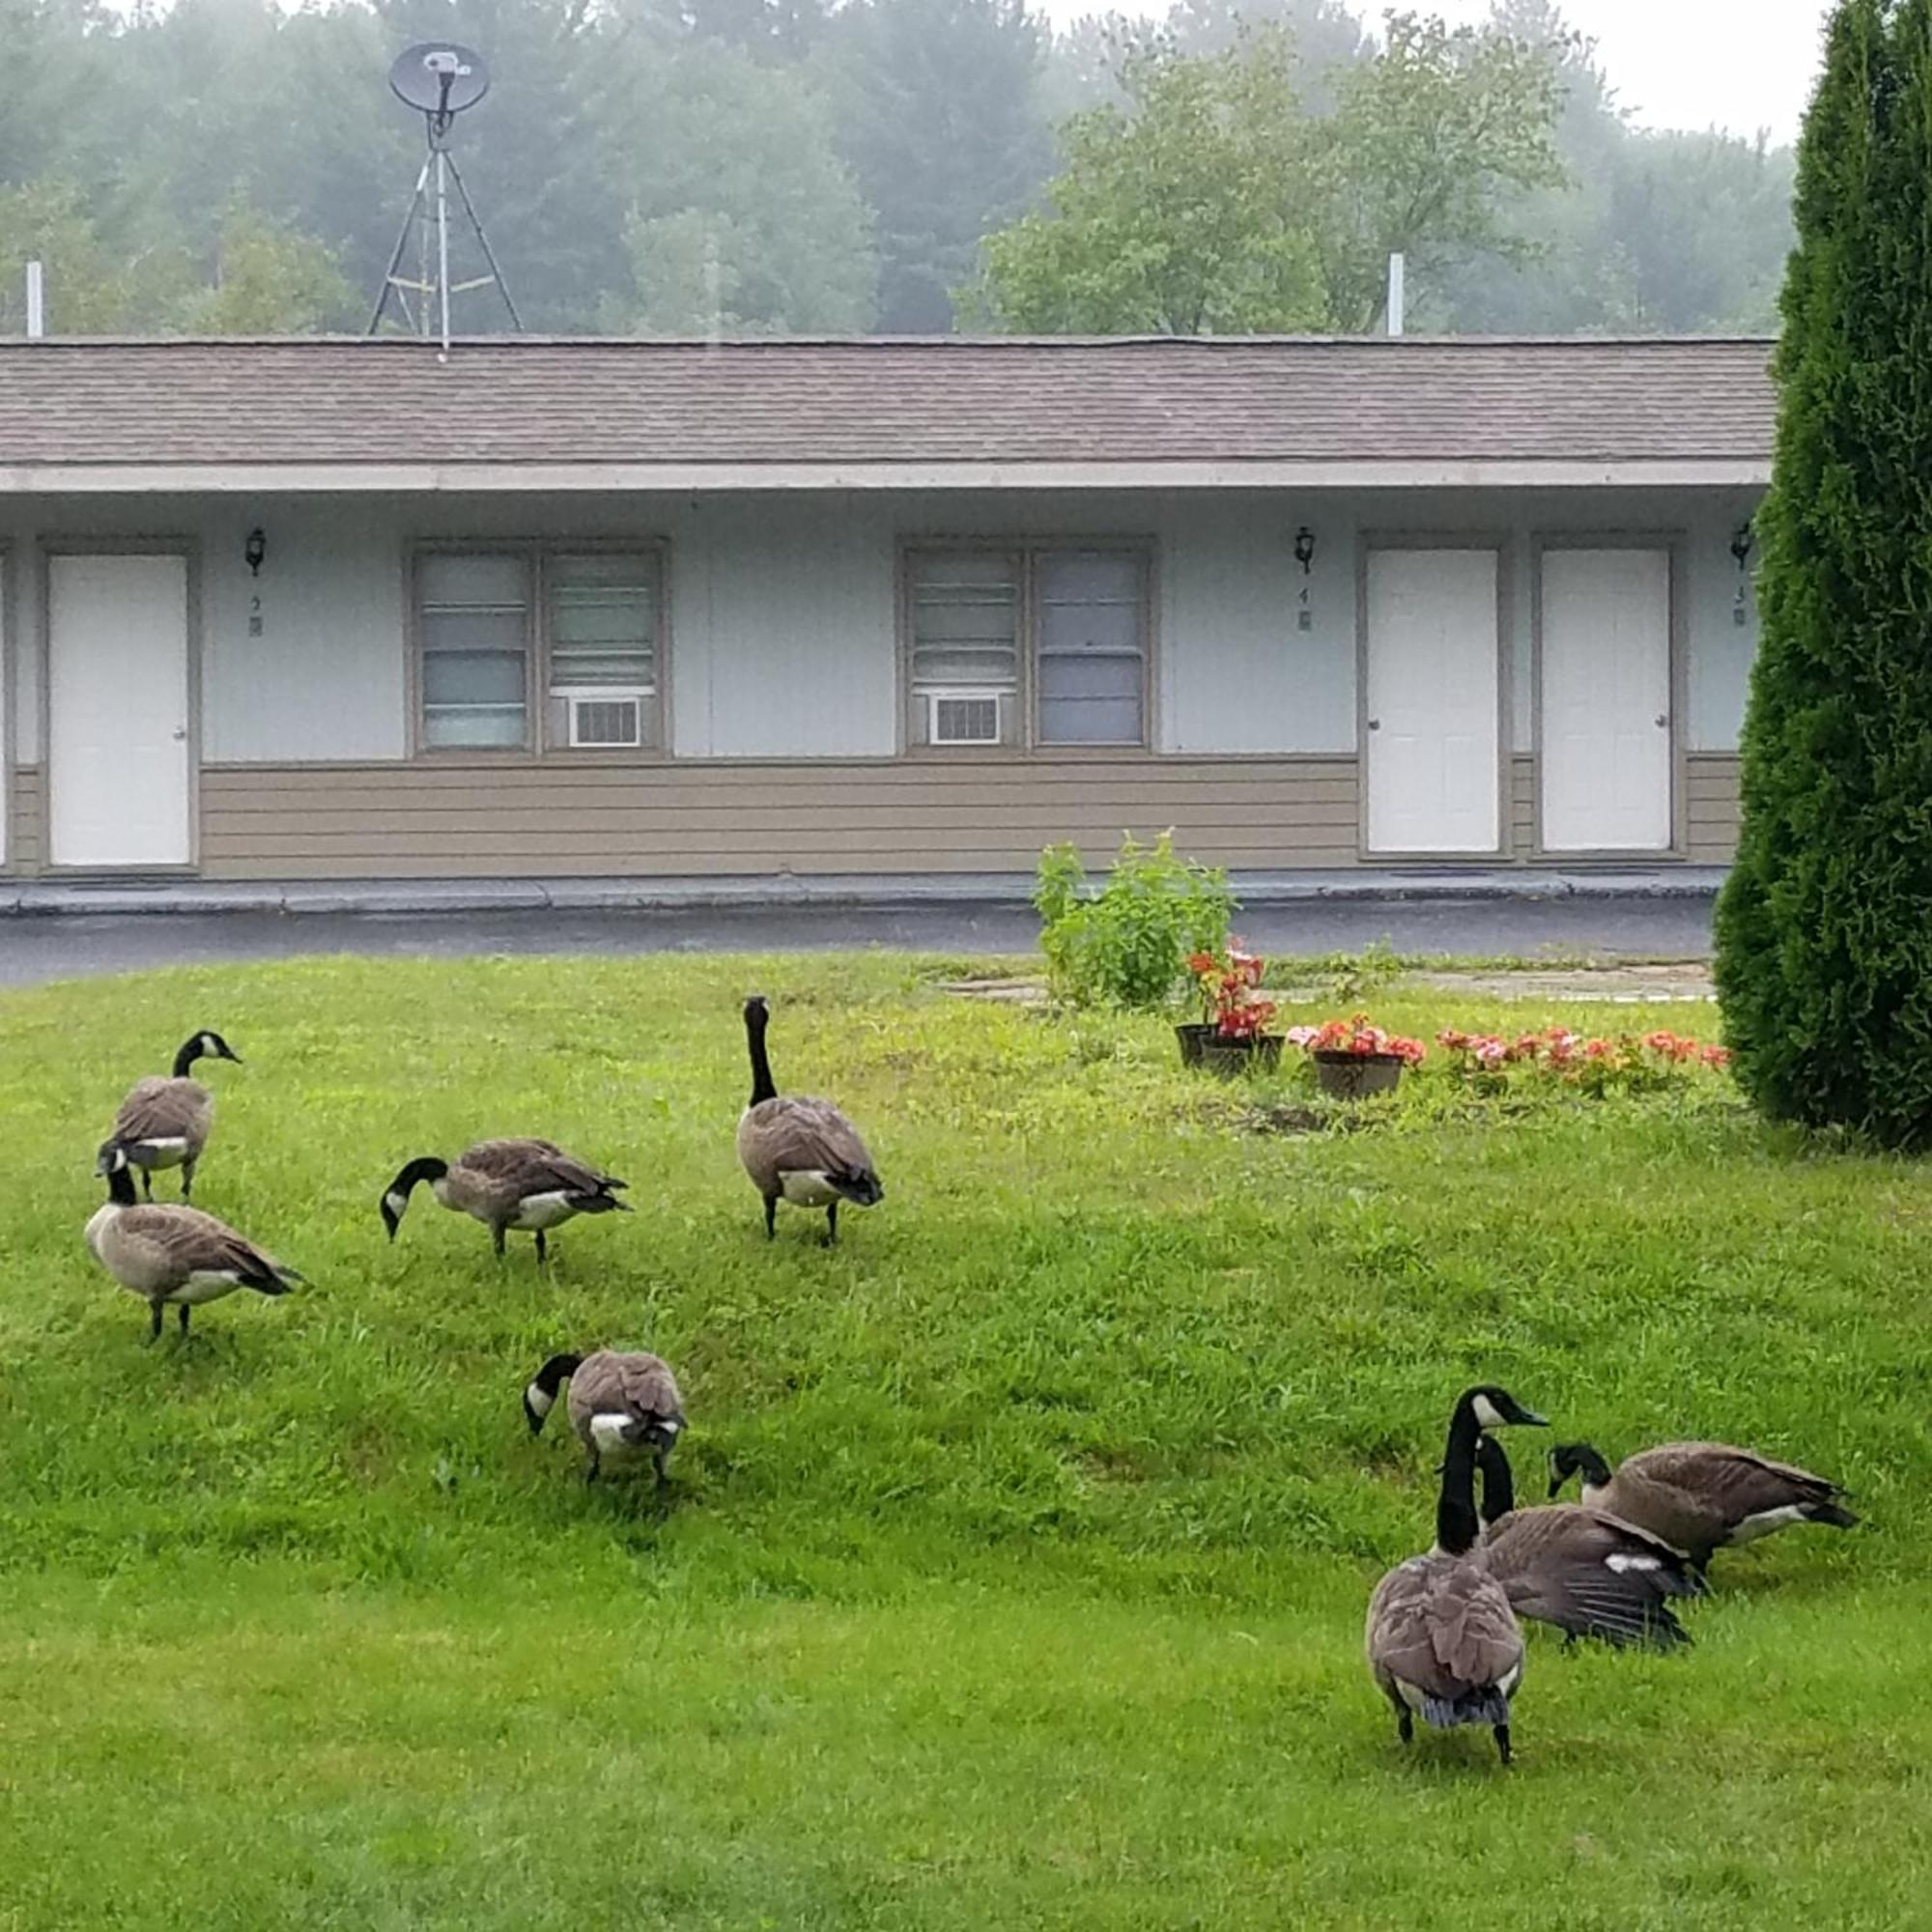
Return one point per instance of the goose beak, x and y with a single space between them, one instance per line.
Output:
1528 1418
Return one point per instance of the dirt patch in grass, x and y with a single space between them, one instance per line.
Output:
1684 981
1001 991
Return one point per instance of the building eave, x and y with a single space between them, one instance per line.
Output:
1715 473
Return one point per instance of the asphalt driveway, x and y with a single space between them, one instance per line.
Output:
73 944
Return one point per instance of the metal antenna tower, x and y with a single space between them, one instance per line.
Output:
440 80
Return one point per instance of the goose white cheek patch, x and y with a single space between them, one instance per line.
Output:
1486 1413
397 1204
538 1400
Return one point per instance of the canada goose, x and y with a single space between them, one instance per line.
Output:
1575 1567
165 1122
170 1254
797 1150
529 1185
619 1405
1700 1496
1441 1637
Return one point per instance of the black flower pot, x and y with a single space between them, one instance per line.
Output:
1193 1037
1355 1076
1230 1057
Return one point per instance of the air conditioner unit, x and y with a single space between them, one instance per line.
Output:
964 717
605 719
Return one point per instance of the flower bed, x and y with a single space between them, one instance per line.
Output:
1596 1064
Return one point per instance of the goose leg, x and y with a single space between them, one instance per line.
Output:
1502 1732
153 1322
147 1184
1405 1724
771 1216
590 1467
188 1178
664 1479
832 1224
497 1238
181 1314
543 1248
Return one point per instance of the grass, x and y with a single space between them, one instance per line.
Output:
1016 1570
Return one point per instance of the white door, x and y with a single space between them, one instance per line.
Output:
1434 781
1606 701
118 711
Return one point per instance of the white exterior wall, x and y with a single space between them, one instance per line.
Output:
783 610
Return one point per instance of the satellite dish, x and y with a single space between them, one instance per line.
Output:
440 77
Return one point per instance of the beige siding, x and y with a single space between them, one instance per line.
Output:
983 815
1711 835
23 831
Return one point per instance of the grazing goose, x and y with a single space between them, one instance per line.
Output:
1700 1496
619 1405
173 1255
797 1150
1441 1637
165 1122
529 1185
1582 1571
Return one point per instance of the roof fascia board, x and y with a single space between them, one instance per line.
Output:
565 478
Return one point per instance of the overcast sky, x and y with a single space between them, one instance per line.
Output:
1735 64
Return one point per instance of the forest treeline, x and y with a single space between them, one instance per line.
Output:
908 166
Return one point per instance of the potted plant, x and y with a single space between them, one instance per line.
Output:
1233 1035
1354 1059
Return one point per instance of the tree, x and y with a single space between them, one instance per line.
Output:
86 293
1427 143
1825 925
1188 213
267 281
1215 202
739 212
938 118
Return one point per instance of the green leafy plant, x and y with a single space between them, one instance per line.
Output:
1360 975
1128 942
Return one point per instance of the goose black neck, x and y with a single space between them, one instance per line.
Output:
762 1086
121 1187
189 1053
1457 1527
556 1372
1498 1479
426 1167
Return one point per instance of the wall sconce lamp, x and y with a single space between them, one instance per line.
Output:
1304 549
254 552
1743 538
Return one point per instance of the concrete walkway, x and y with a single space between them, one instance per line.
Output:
87 941
873 892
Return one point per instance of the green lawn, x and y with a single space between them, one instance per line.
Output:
1020 1544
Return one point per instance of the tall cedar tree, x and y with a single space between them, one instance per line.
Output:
1825 927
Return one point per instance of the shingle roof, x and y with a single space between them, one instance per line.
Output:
577 401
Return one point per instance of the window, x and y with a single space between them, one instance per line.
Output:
602 618
475 615
1027 646
588 620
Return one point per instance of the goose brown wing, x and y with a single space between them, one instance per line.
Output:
1589 1573
191 1242
796 1134
1735 1483
1445 1626
535 1167
157 1108
650 1388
